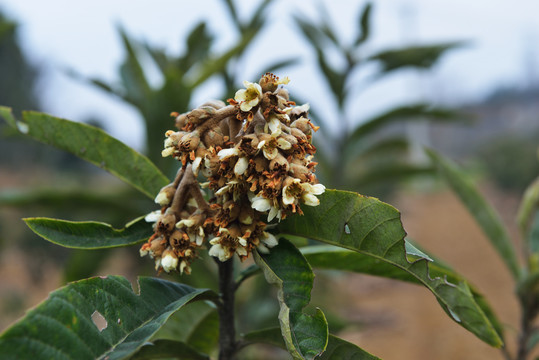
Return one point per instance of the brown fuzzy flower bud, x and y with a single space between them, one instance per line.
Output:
166 222
213 137
303 125
300 172
157 246
279 163
190 141
247 214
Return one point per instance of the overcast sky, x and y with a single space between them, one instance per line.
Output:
60 34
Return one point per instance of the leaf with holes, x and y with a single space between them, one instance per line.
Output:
95 146
373 228
89 234
62 326
337 348
305 335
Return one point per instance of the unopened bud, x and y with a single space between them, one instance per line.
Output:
157 246
302 124
300 172
190 141
279 163
166 222
169 260
166 195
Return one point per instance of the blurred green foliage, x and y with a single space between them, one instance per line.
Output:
363 157
499 155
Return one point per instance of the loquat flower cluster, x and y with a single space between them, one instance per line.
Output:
256 156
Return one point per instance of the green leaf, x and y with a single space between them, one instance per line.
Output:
413 56
335 79
416 112
89 234
97 147
528 205
373 228
484 214
533 236
335 258
285 267
168 349
204 337
337 349
61 327
132 73
198 45
364 25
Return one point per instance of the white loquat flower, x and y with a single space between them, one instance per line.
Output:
248 97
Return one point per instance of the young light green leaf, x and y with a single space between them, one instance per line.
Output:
484 214
89 234
305 335
373 228
97 147
168 349
64 326
337 349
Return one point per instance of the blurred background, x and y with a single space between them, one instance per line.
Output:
383 79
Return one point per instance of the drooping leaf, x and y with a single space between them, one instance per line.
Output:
413 56
373 228
258 18
285 267
89 234
337 349
97 147
61 327
484 214
364 25
416 112
391 171
168 349
335 79
335 258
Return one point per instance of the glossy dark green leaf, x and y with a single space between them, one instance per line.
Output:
61 327
89 234
484 214
335 258
373 228
337 349
416 112
305 335
97 147
168 349
413 56
364 25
